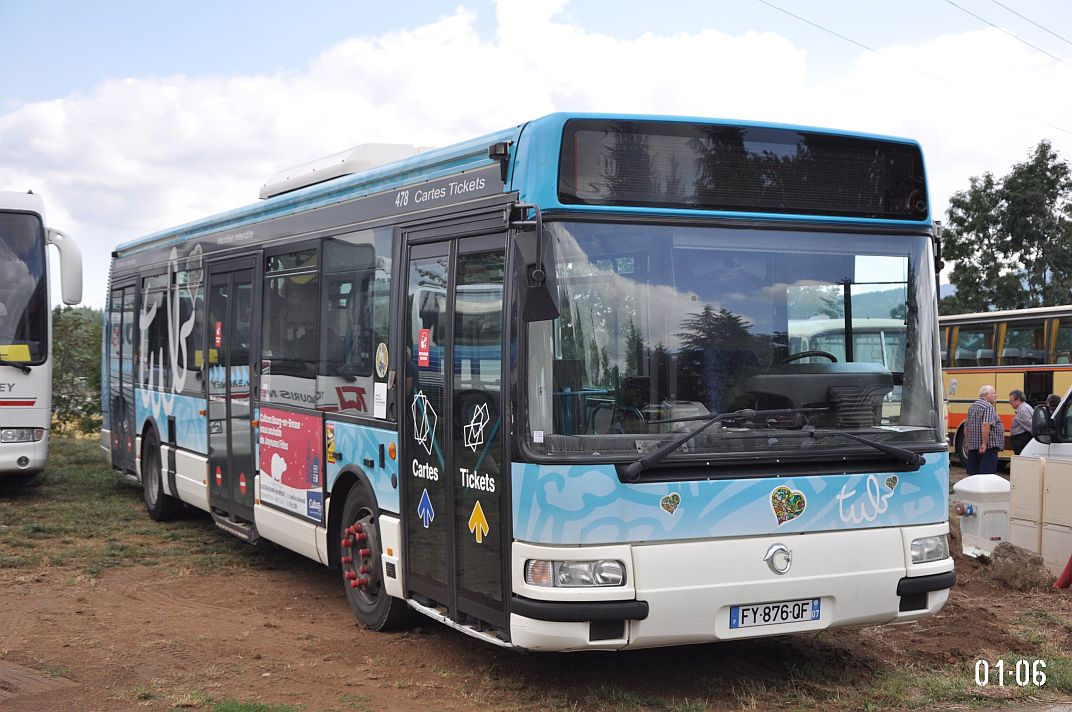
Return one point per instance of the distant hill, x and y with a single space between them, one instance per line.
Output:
877 304
806 304
881 304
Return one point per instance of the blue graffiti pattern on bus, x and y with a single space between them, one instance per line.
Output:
571 504
349 445
191 427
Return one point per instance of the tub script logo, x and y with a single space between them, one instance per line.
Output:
867 506
167 300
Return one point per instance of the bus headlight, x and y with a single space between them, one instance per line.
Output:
21 435
574 574
930 548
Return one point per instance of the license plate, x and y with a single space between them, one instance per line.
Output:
800 611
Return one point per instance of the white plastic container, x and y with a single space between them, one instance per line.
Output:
985 521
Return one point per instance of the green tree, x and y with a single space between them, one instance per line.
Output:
1011 239
76 367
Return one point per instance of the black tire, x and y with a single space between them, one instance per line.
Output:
960 448
362 565
161 507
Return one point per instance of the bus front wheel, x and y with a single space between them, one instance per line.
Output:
362 567
161 507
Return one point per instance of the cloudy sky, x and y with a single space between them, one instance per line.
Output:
129 116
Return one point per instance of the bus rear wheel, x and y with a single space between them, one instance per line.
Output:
161 507
961 448
362 566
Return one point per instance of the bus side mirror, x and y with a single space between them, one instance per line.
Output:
70 265
1041 425
539 281
939 263
539 294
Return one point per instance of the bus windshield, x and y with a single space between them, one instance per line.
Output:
23 297
663 327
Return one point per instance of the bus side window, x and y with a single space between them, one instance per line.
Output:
975 347
189 295
355 312
155 361
290 330
1063 351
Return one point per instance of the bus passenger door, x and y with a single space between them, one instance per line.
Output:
455 494
121 377
230 353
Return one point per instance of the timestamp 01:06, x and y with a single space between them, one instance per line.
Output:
1019 672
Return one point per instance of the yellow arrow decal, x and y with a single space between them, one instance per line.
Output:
478 523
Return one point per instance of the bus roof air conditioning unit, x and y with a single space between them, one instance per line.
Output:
355 160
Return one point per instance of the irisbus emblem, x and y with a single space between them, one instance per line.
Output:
779 558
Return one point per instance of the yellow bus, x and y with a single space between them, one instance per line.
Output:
1026 349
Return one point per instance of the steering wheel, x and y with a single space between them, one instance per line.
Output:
809 354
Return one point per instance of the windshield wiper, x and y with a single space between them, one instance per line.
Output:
908 457
631 472
15 364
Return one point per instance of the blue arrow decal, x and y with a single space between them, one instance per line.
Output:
424 509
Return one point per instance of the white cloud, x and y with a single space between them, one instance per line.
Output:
132 156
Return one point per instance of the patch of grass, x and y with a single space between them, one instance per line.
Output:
55 670
749 694
189 700
81 516
356 702
612 697
686 705
1056 669
236 706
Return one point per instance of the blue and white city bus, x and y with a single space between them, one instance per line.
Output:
540 386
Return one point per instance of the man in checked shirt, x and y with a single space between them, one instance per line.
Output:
983 433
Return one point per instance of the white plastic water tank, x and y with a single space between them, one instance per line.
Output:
985 521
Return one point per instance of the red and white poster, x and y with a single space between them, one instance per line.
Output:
290 446
424 347
219 333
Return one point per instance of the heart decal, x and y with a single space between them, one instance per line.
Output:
670 502
787 504
891 481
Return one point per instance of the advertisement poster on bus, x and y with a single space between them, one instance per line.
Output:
291 471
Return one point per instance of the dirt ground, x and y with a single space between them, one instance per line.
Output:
150 639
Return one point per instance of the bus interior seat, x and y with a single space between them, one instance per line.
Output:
1034 356
1063 357
1011 356
945 357
853 389
858 407
984 357
963 357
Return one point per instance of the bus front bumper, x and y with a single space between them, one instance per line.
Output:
23 458
693 592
